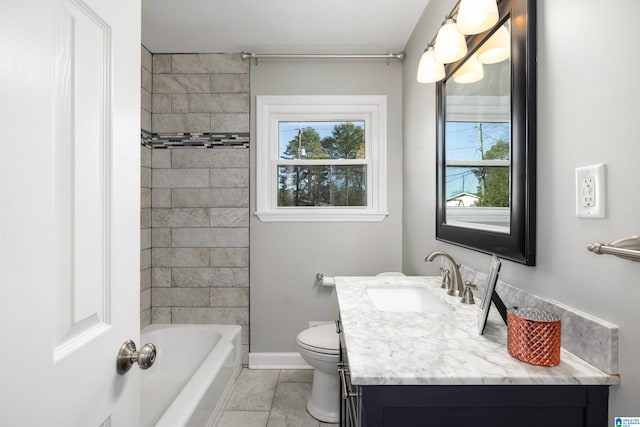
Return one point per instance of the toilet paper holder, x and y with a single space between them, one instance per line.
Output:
325 280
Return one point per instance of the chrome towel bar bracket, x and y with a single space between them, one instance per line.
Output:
626 248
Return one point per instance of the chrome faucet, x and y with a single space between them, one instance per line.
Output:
457 286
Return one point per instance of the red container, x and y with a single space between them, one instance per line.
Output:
533 336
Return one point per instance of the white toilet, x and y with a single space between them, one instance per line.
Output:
319 347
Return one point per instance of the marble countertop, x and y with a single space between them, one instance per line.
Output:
408 348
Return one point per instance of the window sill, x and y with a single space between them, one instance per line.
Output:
333 215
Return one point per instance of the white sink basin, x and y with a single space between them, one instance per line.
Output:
406 299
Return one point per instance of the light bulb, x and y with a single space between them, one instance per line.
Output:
429 70
471 71
476 16
497 48
450 44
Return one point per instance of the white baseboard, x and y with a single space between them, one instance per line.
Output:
291 360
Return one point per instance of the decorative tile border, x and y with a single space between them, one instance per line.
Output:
194 140
588 337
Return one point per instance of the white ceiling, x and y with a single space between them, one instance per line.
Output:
279 26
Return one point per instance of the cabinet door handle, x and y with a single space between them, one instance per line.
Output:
346 387
343 382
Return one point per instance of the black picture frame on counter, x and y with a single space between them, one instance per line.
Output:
489 295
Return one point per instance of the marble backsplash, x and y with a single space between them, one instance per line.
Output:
586 336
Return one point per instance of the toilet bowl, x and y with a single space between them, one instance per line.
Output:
319 347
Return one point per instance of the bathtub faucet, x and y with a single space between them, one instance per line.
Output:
457 286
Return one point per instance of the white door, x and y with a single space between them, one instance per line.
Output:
69 211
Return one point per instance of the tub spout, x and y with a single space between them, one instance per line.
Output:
457 286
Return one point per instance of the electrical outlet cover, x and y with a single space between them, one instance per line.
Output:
590 191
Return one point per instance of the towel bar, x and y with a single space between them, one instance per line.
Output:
627 248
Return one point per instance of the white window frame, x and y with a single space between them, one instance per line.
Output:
272 109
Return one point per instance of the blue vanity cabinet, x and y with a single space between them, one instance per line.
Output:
491 406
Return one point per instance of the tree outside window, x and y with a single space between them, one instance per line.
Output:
494 188
315 183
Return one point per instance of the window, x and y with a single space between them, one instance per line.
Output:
321 158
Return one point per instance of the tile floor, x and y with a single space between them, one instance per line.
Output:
270 398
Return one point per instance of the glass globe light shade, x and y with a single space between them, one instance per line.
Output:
471 71
450 44
476 16
429 70
497 48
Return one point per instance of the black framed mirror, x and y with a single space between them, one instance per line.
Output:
486 140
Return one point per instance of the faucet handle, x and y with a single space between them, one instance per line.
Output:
467 295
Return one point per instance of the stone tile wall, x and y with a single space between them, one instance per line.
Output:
145 191
198 212
145 237
200 236
200 93
145 96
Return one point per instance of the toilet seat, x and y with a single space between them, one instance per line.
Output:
320 339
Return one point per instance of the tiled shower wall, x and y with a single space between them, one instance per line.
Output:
145 193
200 236
199 214
200 93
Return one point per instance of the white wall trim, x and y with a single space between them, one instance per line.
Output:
334 215
291 360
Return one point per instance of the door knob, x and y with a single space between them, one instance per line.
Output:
127 356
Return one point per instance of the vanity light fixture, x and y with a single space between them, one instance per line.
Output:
450 44
471 71
429 70
497 48
476 16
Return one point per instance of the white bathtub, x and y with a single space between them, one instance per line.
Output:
192 377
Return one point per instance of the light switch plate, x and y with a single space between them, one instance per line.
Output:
590 191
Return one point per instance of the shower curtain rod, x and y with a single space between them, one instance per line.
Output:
256 56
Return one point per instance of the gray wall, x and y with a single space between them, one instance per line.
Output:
587 114
286 256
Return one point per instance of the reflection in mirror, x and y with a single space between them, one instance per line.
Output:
477 132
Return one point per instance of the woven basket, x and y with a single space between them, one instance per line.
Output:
533 336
